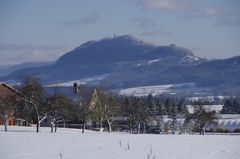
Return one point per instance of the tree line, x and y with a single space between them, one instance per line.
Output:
104 108
231 106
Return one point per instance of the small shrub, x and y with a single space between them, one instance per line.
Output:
221 130
237 130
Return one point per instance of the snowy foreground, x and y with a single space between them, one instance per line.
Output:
24 143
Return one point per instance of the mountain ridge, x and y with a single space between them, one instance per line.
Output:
131 62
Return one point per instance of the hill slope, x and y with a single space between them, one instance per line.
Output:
128 62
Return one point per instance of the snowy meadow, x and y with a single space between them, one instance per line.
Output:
25 143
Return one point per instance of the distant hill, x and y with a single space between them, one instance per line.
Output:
8 69
129 62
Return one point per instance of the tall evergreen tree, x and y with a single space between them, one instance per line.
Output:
231 106
160 108
173 116
150 104
227 107
167 105
159 123
129 112
181 107
235 107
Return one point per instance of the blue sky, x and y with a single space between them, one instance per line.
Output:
43 30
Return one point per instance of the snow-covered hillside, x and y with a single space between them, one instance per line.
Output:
154 90
24 143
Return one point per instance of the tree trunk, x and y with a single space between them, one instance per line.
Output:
26 121
101 126
130 127
203 133
56 125
37 127
144 128
5 125
64 123
51 128
131 131
109 126
202 130
138 128
83 126
38 124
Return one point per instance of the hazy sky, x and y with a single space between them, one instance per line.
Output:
43 30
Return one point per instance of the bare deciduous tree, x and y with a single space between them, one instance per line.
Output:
34 98
201 117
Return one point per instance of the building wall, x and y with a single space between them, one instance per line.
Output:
6 91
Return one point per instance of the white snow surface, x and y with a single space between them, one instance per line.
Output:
154 90
24 143
146 90
81 81
150 62
208 98
216 108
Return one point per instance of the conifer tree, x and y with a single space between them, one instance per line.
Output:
227 107
173 116
168 106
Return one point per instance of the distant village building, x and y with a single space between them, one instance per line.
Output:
7 91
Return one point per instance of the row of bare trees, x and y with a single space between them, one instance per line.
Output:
33 105
102 107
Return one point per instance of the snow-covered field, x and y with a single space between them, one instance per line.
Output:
216 108
146 90
24 143
154 90
83 81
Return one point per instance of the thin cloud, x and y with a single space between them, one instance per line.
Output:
220 17
37 55
29 47
19 53
210 12
227 21
17 57
145 22
213 12
156 32
165 5
150 27
86 20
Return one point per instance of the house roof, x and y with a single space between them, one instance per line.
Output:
6 89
